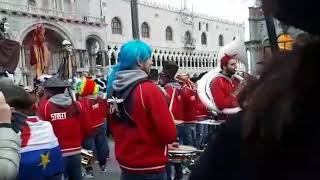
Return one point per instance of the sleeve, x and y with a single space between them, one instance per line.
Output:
157 106
221 98
42 110
10 143
85 117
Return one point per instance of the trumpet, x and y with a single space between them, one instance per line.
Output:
86 157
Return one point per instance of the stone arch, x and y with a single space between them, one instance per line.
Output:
97 38
48 25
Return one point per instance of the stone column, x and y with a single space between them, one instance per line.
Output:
62 5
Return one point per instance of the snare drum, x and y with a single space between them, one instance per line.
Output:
183 153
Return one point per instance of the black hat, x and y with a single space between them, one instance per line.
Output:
170 68
301 14
56 82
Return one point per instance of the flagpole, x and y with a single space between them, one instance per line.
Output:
135 19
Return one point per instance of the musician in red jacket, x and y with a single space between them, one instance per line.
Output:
140 119
174 93
97 108
66 117
224 87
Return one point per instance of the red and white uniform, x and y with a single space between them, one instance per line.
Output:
175 89
143 148
222 89
189 103
97 108
67 124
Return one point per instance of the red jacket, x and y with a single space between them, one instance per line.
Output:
177 104
66 123
97 109
222 89
189 103
201 109
143 148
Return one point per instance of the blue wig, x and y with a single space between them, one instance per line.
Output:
130 54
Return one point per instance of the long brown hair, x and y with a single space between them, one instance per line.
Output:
279 127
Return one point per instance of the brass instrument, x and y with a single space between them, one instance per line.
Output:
86 157
236 48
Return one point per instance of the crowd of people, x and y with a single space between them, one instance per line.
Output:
273 136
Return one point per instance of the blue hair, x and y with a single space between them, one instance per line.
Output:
130 54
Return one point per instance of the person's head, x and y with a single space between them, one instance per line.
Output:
154 76
169 70
16 97
133 55
228 65
87 87
54 86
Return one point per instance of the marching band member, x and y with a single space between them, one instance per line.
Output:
224 87
140 119
97 107
189 96
67 118
174 93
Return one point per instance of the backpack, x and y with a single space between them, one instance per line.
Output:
119 103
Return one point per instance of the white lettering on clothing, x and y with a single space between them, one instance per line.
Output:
58 116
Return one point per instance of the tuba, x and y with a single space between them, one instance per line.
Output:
236 48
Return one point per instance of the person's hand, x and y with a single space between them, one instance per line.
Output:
5 111
239 88
173 146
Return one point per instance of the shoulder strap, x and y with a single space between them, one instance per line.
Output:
124 94
172 99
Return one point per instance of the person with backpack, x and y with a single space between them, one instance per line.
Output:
140 120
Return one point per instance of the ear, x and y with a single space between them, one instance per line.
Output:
139 64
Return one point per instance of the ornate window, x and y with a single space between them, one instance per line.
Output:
169 33
221 43
187 38
145 30
285 42
116 26
203 38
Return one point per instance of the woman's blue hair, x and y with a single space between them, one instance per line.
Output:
130 54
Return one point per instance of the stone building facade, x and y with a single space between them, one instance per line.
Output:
98 28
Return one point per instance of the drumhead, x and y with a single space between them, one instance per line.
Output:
183 149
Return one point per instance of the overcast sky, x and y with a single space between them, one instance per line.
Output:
236 10
229 9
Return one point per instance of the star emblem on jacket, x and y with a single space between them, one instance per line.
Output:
45 160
